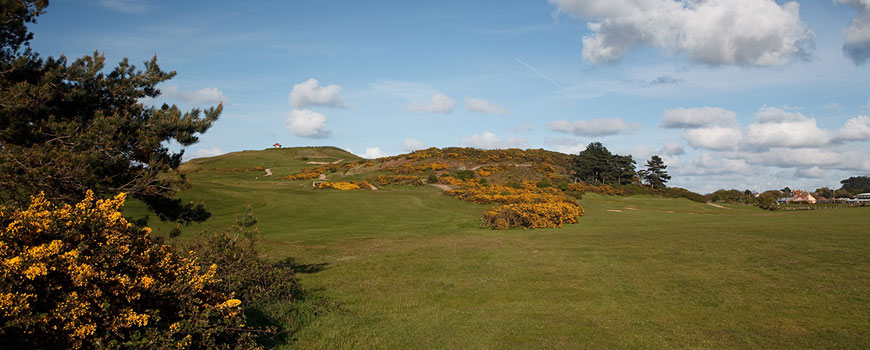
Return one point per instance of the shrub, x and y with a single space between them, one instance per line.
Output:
532 215
432 178
384 180
463 174
343 185
82 277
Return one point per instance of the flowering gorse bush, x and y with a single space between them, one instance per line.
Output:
343 185
384 180
81 276
532 215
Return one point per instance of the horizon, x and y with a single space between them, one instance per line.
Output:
789 109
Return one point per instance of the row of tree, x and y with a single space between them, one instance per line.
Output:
596 165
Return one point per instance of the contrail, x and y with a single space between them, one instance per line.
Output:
539 73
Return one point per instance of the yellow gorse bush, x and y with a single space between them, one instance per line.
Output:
78 275
343 185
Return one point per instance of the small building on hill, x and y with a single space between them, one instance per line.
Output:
277 145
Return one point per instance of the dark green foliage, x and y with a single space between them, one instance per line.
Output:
514 184
733 196
676 192
596 164
14 16
261 286
483 182
767 200
856 184
544 183
69 127
463 174
786 192
655 175
432 178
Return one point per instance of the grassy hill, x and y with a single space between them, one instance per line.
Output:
411 268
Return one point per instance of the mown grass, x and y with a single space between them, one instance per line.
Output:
411 268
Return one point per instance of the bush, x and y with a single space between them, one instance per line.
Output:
463 174
384 180
343 185
260 286
432 178
532 215
82 277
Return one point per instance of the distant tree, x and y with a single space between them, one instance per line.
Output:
655 175
825 192
594 164
747 193
69 127
625 169
856 184
787 192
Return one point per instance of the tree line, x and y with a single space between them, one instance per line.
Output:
597 165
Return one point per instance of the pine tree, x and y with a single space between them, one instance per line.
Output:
594 164
69 127
655 175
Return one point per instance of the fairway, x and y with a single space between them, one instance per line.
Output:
411 268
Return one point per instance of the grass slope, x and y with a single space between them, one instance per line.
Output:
412 269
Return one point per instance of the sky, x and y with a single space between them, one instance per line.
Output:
744 94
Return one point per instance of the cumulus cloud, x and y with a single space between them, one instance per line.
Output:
488 140
674 149
716 164
715 138
593 127
775 127
857 35
484 106
373 152
411 145
439 103
856 129
199 97
310 93
715 32
306 123
684 118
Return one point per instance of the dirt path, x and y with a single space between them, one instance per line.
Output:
337 161
443 187
373 187
268 172
716 205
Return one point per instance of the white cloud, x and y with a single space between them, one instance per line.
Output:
683 118
488 140
439 103
812 173
411 145
484 106
716 164
126 6
715 138
593 127
674 149
373 152
716 32
855 129
198 97
306 123
310 93
775 127
207 152
857 36
795 157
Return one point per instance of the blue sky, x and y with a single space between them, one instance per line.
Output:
747 94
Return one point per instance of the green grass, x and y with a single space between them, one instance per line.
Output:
411 269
